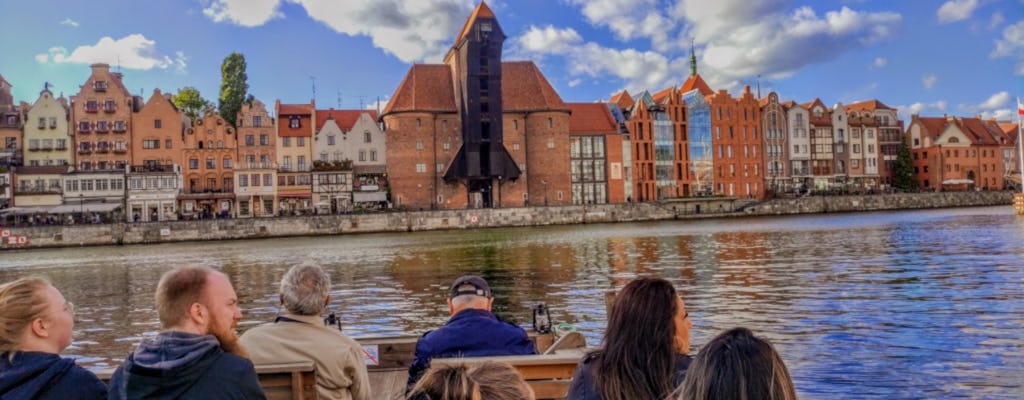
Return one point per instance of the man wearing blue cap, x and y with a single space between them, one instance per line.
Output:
472 331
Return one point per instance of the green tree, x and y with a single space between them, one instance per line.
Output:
903 169
190 102
234 87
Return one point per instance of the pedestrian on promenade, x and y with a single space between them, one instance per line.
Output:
299 334
472 331
737 365
197 355
644 353
35 326
485 381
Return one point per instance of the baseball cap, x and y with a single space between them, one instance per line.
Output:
480 285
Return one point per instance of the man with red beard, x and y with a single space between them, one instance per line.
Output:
197 354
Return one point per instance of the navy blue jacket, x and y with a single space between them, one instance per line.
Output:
36 375
583 381
470 333
176 365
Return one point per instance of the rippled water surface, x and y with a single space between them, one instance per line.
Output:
919 304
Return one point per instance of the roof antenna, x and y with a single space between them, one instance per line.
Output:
339 99
759 86
313 79
362 100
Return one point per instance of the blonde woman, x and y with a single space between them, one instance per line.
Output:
485 381
35 326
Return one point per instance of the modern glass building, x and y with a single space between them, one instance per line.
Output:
698 112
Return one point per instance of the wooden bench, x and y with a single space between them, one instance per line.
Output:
550 375
289 381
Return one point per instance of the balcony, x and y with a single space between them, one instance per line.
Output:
120 149
35 190
120 127
102 148
256 165
91 107
84 151
152 168
110 107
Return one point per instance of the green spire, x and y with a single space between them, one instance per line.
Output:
693 60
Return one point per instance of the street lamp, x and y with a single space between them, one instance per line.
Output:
81 206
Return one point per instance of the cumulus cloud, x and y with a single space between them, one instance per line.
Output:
956 10
1011 44
248 13
575 82
548 40
880 62
922 109
378 104
631 19
996 20
998 106
132 52
69 22
929 80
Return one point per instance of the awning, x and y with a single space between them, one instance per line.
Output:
367 197
295 195
369 169
957 182
64 209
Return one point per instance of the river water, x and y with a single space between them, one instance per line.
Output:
915 304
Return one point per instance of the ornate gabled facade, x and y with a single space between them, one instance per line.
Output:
596 155
659 152
296 123
158 132
101 118
10 126
256 193
210 151
774 126
46 132
889 129
737 144
821 141
477 132
959 153
698 116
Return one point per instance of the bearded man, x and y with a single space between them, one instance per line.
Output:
197 354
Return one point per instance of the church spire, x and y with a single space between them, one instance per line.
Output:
693 60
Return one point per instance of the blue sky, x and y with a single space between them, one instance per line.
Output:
961 57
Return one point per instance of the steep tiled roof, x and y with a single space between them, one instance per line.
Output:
427 87
524 88
826 115
980 132
660 96
623 100
481 11
868 105
696 82
591 118
934 125
788 104
344 118
40 169
1011 131
295 109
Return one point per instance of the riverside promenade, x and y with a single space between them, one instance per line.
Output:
125 233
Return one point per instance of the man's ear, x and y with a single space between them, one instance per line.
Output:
198 314
490 302
451 308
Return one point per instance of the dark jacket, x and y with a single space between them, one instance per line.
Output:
583 381
36 375
176 365
470 333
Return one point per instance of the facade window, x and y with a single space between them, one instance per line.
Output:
323 156
264 140
243 180
294 122
193 163
330 140
227 162
151 144
446 146
373 155
250 140
362 155
300 141
367 138
286 141
288 162
167 144
157 123
257 121
255 179
419 145
302 162
421 167
439 167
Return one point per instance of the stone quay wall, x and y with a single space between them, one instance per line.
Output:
410 221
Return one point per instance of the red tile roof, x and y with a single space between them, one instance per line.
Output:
659 97
1011 131
981 132
524 88
696 82
591 118
933 125
868 105
481 11
623 100
826 115
344 118
427 87
295 109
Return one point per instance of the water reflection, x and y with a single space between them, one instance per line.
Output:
894 305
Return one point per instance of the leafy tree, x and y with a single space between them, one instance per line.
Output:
234 87
903 169
190 102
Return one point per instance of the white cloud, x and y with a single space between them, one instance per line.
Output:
547 40
929 80
956 10
69 22
993 107
996 21
880 62
248 13
921 109
631 19
132 52
995 101
378 105
1011 44
575 82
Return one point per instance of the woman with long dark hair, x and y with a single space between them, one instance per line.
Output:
643 355
737 365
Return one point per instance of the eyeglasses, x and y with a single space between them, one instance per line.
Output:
70 307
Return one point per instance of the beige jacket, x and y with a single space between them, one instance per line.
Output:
340 370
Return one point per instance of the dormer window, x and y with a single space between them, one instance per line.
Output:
293 122
100 86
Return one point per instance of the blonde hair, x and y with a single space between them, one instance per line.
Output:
21 302
484 381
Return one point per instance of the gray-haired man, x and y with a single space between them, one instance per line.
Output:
299 334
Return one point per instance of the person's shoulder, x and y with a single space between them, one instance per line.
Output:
230 363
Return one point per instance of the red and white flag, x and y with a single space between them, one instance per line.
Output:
1020 107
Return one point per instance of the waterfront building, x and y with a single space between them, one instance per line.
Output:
92 191
800 147
37 187
890 131
158 132
209 152
353 140
774 125
1011 155
616 105
822 153
698 116
865 153
102 117
475 131
10 126
6 194
958 153
256 193
658 142
295 126
840 148
736 143
595 153
152 192
46 132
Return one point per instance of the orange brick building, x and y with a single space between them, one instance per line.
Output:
954 153
210 152
476 131
295 126
737 144
595 155
659 144
158 131
101 118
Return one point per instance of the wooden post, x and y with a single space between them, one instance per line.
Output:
1018 203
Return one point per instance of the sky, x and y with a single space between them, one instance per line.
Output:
931 57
